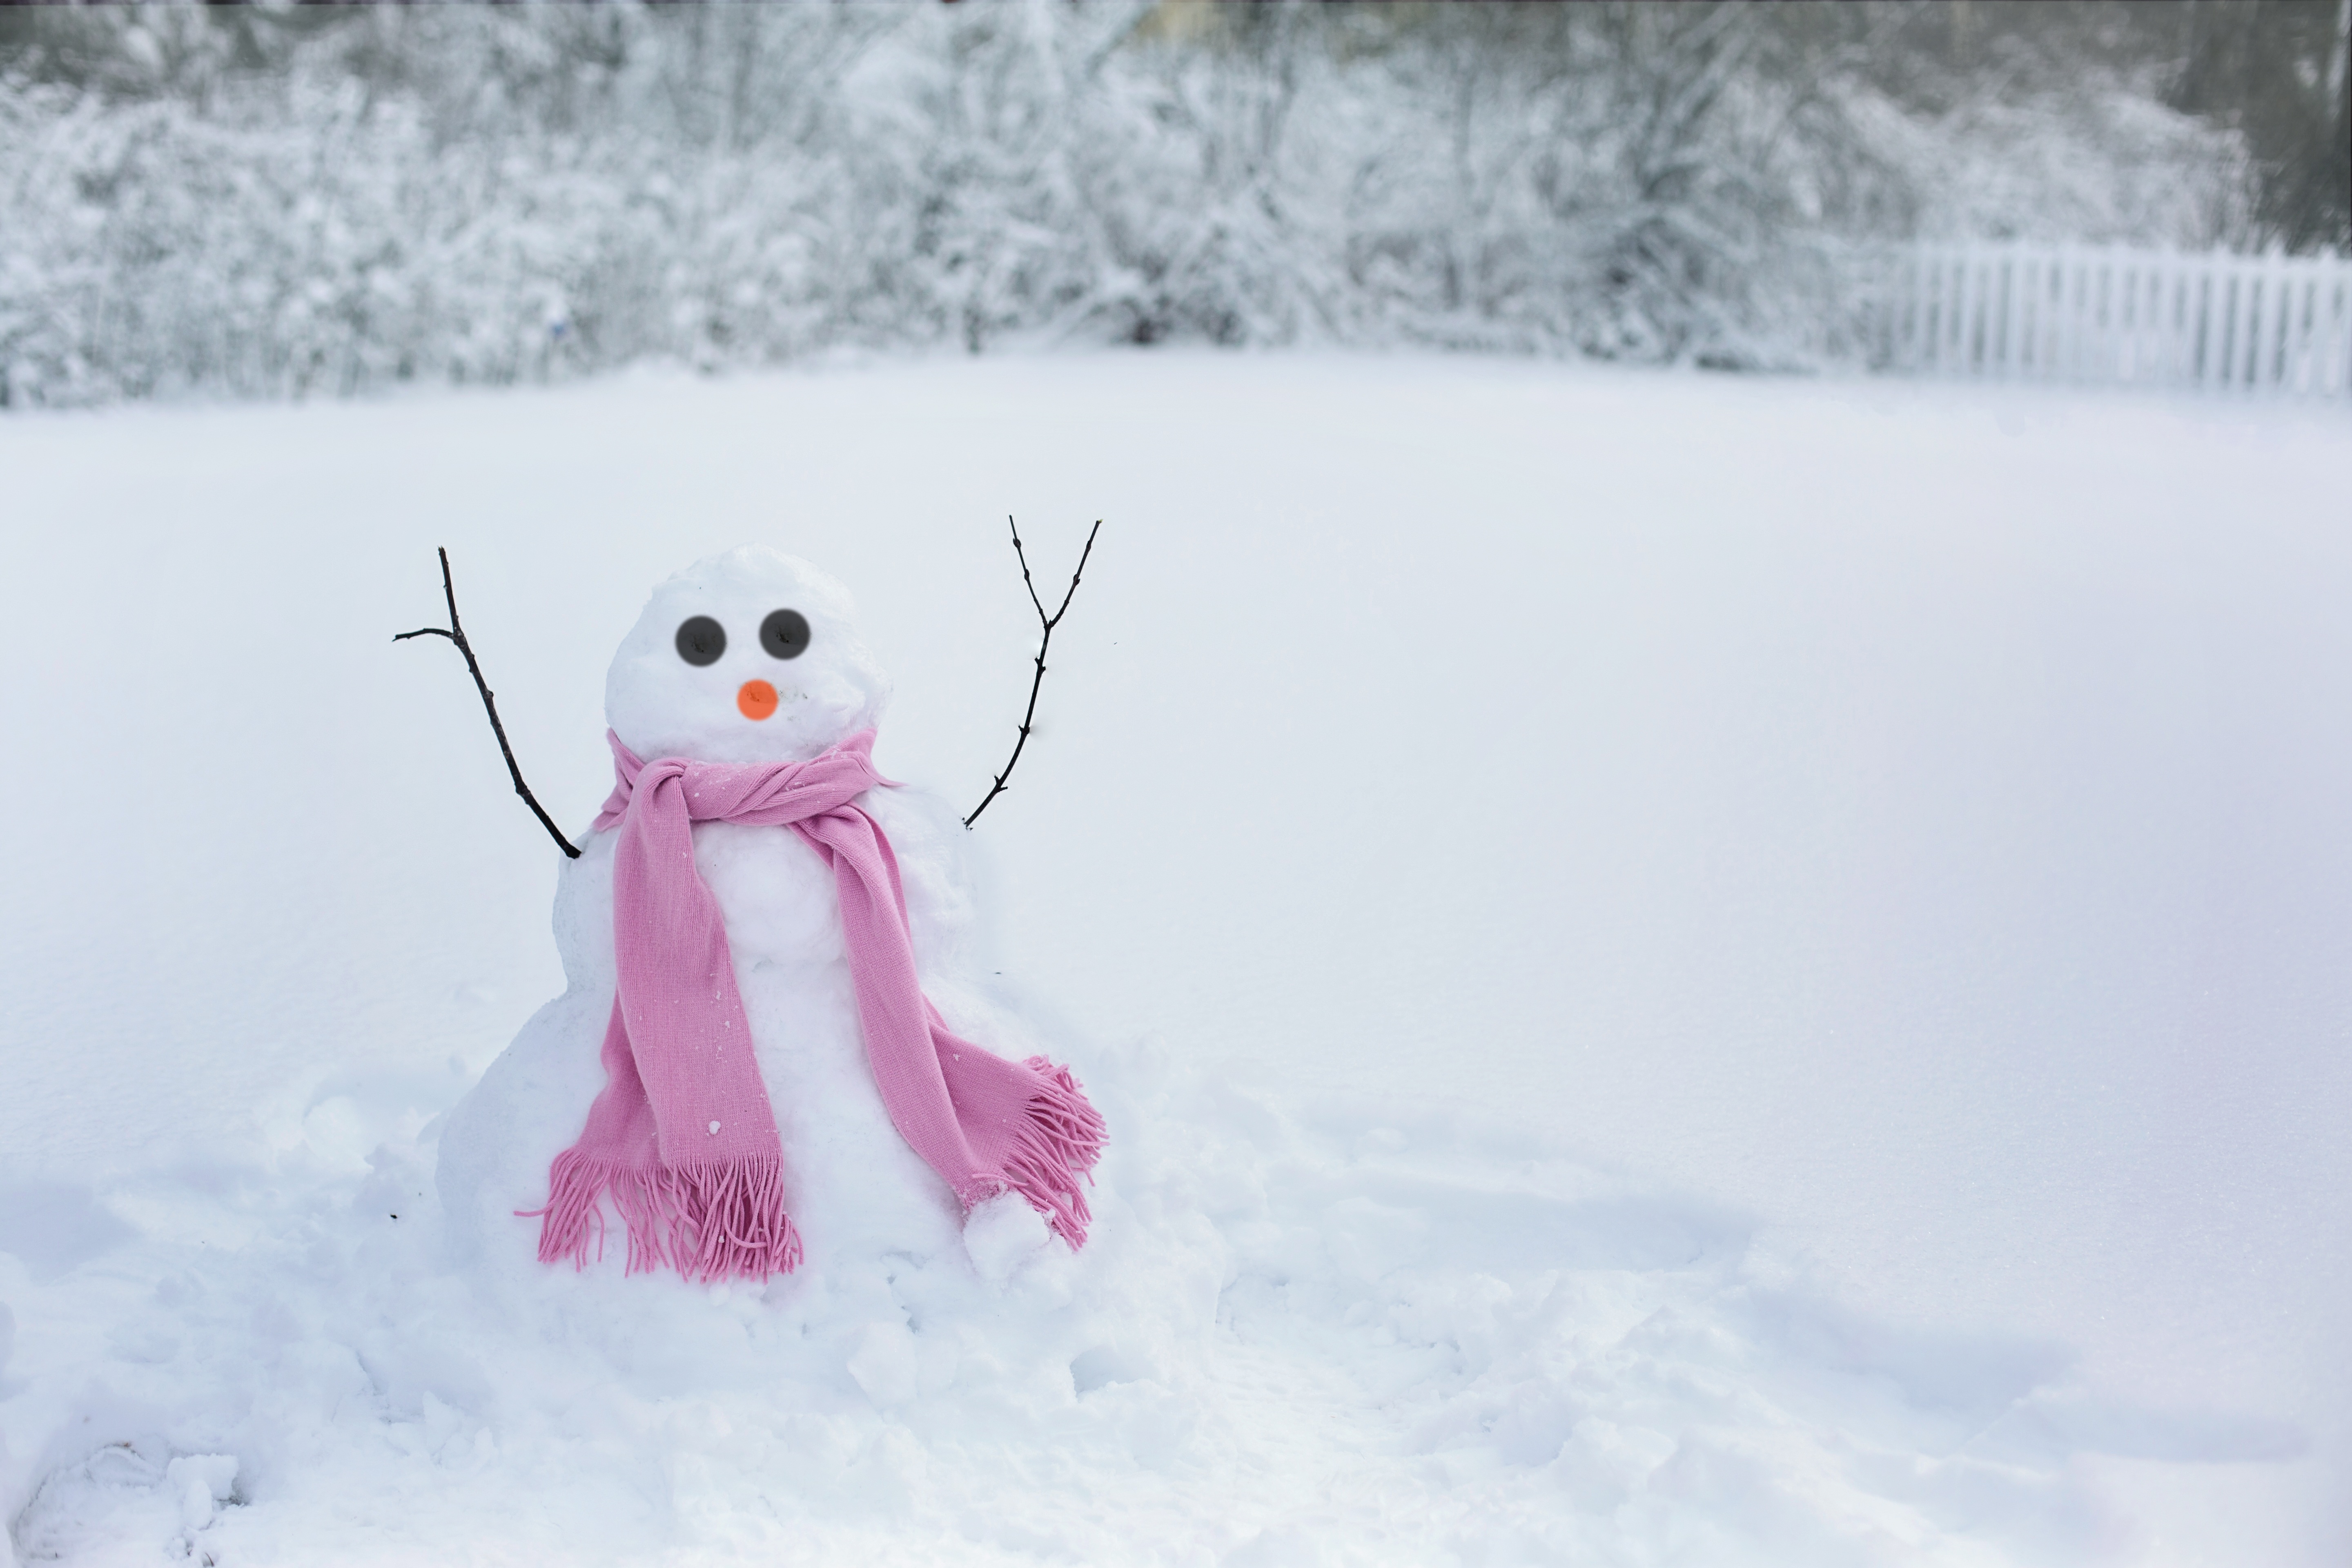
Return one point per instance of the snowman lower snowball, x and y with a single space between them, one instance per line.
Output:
746 1066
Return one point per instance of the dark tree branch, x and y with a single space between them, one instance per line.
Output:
456 634
1038 680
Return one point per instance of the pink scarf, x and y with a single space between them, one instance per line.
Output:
683 1137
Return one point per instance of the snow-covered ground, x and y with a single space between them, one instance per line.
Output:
1682 970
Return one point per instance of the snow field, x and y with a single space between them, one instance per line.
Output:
1681 969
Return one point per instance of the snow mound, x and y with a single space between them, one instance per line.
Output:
1358 1340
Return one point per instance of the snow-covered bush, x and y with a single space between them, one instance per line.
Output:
280 203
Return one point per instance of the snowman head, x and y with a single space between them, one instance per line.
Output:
750 657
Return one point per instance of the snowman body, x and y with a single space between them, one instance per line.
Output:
855 1189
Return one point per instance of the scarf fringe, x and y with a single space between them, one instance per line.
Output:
709 1222
1060 1138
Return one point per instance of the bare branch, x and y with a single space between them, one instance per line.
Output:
1038 680
1067 597
456 634
1024 567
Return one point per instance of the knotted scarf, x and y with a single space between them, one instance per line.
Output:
682 1137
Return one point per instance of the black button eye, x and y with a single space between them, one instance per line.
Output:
785 634
700 640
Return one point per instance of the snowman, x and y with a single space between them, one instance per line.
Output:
745 1068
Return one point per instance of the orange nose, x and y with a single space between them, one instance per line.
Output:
758 699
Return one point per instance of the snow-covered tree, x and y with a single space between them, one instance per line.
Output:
285 201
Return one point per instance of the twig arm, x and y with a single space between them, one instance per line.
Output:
1028 718
456 634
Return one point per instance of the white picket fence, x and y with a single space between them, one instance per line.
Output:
2275 323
